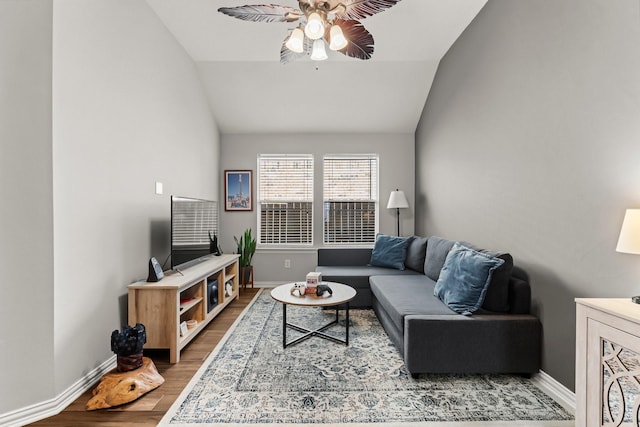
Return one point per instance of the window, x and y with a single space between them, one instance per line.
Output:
285 198
350 199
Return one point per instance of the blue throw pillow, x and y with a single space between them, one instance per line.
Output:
464 278
390 251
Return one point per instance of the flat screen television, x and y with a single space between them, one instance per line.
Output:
192 222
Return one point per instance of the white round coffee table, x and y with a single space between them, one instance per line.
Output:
342 294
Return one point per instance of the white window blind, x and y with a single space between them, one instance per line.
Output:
285 197
350 199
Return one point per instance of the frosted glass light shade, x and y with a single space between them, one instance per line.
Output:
338 41
318 53
296 41
629 240
315 26
397 200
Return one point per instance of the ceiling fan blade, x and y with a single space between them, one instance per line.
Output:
263 13
361 9
360 40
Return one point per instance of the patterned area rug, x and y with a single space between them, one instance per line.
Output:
251 379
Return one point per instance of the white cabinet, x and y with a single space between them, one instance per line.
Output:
607 362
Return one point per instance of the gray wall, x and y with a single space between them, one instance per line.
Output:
240 151
529 142
129 109
101 102
26 206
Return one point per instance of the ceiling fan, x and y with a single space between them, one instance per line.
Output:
321 22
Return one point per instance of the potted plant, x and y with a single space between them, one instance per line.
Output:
246 249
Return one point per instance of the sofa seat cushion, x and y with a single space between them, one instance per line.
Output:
358 276
402 296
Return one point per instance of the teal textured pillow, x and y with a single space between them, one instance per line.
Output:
464 278
390 251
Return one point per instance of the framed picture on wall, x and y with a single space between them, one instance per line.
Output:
238 190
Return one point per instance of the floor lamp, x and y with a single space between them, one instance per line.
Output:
397 201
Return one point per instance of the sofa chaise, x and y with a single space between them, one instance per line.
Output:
435 335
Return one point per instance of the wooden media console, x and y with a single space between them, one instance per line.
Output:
179 297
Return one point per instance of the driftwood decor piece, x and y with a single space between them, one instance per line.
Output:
117 388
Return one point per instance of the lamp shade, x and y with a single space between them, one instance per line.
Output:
315 26
318 53
629 240
397 200
338 41
296 41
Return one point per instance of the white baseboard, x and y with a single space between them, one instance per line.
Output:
565 397
267 284
51 407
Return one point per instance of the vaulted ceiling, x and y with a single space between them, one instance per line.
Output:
251 92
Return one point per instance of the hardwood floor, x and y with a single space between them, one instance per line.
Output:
150 408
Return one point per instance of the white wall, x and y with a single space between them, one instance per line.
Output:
26 206
239 151
529 142
128 110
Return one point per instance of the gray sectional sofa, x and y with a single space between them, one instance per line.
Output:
499 337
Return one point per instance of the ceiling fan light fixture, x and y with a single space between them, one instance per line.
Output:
318 53
296 41
338 41
315 26
335 22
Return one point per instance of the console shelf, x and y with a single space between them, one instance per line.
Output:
185 306
181 296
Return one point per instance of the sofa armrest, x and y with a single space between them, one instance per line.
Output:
344 256
475 344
